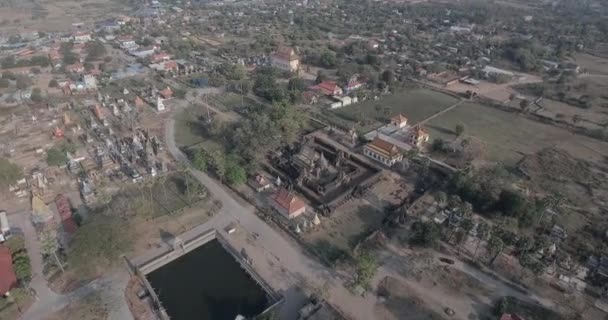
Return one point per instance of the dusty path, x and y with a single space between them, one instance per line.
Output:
271 251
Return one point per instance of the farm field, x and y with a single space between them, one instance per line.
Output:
507 137
592 64
416 104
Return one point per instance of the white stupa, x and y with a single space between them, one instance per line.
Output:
298 230
316 221
160 106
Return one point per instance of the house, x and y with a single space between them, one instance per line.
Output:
8 278
64 207
287 203
143 52
285 58
166 93
399 121
259 183
160 57
5 228
383 151
99 113
25 71
418 136
310 97
509 316
353 84
81 37
139 103
329 88
75 68
127 42
90 83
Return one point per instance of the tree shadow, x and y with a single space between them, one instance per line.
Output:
167 237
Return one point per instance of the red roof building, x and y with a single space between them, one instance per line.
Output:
8 279
383 151
159 57
285 58
166 93
75 68
65 212
287 203
329 88
99 113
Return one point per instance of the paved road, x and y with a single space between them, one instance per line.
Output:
270 242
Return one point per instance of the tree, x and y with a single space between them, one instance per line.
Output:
53 83
482 232
524 104
36 95
235 174
387 76
9 172
438 145
95 51
99 243
56 157
366 266
296 84
4 83
320 77
22 265
459 129
510 203
425 234
199 161
495 246
23 82
218 163
327 59
35 70
50 246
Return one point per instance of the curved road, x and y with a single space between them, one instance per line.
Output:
270 241
298 266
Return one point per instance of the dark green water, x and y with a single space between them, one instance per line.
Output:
207 284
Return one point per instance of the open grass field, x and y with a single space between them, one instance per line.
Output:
593 64
416 104
349 224
507 136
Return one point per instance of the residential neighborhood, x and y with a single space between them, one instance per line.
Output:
305 160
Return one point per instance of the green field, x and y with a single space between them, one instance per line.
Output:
416 104
507 136
232 102
187 132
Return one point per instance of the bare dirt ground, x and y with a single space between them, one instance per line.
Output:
591 63
498 92
88 308
401 303
52 15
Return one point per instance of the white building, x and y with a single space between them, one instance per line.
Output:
160 106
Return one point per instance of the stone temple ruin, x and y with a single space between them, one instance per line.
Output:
323 171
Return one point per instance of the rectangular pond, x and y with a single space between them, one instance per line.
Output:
208 283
